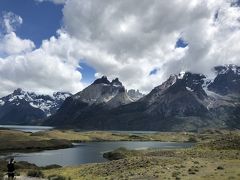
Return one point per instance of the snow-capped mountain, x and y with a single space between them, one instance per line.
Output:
180 95
21 106
187 101
227 80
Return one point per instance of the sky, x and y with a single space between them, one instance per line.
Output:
63 45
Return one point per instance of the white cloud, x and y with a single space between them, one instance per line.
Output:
11 44
38 71
42 70
10 21
129 39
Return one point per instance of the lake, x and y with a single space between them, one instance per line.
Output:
27 128
82 153
91 152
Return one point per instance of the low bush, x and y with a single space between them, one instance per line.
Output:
192 139
35 173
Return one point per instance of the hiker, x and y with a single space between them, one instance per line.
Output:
11 169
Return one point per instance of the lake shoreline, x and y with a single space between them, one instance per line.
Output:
18 141
214 150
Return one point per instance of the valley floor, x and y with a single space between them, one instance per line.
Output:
216 156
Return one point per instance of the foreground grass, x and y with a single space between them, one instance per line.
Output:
213 159
177 164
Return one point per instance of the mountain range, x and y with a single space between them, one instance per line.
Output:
21 107
184 102
187 101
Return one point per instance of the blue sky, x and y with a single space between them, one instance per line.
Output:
40 22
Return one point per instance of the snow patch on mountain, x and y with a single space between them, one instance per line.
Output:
2 102
48 104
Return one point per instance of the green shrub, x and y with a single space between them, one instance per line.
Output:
192 139
35 173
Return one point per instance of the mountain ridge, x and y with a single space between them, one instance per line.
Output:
183 102
22 107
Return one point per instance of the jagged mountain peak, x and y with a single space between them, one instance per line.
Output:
116 82
101 91
229 68
102 80
178 103
18 91
227 80
184 80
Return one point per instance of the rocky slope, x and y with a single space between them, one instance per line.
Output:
23 107
186 101
101 96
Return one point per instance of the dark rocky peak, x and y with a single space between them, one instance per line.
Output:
116 82
182 80
185 81
102 80
193 81
18 91
227 80
227 69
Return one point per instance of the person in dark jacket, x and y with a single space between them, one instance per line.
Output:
11 169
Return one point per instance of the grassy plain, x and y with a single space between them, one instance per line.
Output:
216 155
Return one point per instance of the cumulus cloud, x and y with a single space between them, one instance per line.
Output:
12 44
39 70
131 39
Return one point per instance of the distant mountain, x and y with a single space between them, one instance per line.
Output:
102 95
23 107
186 101
135 94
